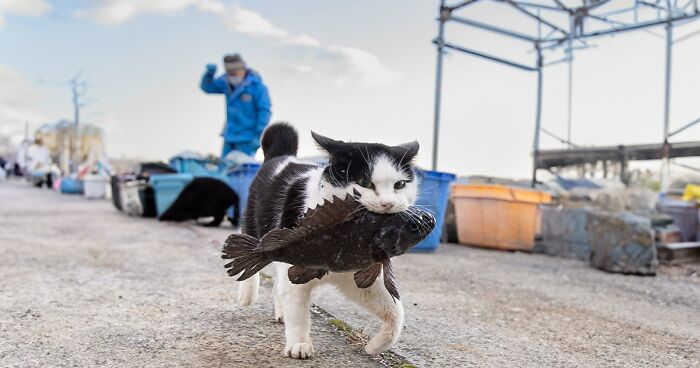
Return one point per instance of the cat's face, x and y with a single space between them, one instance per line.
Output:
382 175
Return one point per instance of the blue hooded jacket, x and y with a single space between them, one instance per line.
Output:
247 105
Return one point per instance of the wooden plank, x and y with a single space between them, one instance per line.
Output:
679 252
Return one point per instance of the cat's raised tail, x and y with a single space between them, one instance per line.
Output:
279 139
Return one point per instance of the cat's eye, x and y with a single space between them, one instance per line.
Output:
400 184
365 183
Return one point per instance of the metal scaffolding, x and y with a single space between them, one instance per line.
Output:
566 25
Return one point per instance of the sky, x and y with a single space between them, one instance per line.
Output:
361 70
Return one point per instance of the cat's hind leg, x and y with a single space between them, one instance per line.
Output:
248 290
377 300
277 300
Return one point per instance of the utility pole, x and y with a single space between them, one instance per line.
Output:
665 169
538 115
440 41
570 59
77 90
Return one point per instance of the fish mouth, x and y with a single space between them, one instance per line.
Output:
423 223
391 249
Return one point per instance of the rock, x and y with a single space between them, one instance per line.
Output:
564 233
621 242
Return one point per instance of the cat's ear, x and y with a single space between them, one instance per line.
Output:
407 151
331 146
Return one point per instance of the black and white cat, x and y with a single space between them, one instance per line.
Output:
286 187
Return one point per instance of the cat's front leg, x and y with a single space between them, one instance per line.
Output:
295 301
377 300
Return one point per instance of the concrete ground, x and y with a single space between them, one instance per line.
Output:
83 285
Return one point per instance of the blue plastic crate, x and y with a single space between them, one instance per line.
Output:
71 186
196 166
239 178
167 187
433 191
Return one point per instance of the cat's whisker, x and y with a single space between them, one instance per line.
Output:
367 159
419 219
357 210
425 207
347 173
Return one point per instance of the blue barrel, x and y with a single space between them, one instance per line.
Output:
239 178
167 187
196 166
71 186
433 192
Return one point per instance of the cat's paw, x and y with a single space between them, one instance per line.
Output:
248 290
300 350
246 297
379 344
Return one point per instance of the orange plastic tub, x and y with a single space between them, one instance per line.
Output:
497 216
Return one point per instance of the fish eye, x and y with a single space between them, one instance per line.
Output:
365 183
400 184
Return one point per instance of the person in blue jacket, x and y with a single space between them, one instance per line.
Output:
247 104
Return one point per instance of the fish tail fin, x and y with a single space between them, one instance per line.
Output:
245 256
276 239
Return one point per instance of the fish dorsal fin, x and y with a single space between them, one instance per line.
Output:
365 278
326 215
315 221
276 239
390 280
301 275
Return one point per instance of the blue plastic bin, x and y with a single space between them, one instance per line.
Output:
71 186
239 178
167 187
196 166
433 192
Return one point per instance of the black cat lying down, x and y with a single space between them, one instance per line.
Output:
204 197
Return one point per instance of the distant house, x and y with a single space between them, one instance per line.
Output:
60 138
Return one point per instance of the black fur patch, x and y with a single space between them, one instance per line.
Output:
202 197
275 200
279 139
350 162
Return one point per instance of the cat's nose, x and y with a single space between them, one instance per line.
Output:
387 206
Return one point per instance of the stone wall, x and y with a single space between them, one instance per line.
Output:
612 241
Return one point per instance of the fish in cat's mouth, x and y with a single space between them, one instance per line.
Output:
397 239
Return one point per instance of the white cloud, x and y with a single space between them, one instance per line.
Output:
251 23
15 90
355 64
365 66
351 64
116 12
32 8
17 97
304 40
